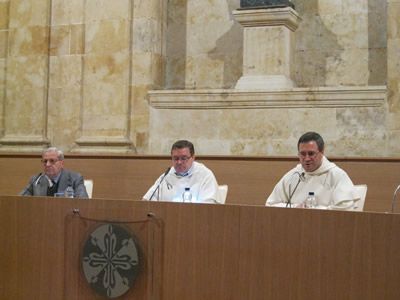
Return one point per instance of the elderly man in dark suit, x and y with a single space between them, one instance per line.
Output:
55 180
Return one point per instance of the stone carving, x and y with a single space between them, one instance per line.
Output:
249 4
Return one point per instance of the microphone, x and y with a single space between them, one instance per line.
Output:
38 178
158 186
394 197
301 178
34 181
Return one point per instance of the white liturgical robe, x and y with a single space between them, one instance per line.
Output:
332 187
201 181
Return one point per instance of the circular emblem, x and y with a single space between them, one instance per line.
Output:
110 260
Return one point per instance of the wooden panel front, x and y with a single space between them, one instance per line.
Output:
208 251
41 246
200 250
308 254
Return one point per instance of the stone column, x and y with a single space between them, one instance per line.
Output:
106 76
393 75
268 47
25 61
148 61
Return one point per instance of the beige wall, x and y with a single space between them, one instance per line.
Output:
75 74
339 42
393 76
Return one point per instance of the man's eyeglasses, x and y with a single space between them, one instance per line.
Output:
51 161
182 158
310 154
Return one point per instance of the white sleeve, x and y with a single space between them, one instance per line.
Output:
209 189
278 195
344 194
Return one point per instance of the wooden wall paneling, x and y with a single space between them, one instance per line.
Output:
253 179
95 213
382 178
8 250
250 179
16 172
120 178
208 251
32 245
308 254
35 261
201 250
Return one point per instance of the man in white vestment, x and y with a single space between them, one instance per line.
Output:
184 173
332 187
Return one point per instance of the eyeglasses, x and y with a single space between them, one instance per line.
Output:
182 158
310 154
51 161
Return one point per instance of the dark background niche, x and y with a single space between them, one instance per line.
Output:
248 4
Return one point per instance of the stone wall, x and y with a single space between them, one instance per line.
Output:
76 74
339 42
393 77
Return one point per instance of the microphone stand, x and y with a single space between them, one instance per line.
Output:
301 178
158 186
394 197
34 182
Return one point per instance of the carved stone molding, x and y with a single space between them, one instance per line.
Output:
368 96
103 144
268 47
23 143
287 17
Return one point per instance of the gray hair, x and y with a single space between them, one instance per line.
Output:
60 154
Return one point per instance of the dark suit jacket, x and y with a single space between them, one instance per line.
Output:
38 184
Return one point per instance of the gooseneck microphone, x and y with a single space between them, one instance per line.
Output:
34 181
158 186
301 178
394 197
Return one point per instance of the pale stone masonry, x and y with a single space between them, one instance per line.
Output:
97 76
